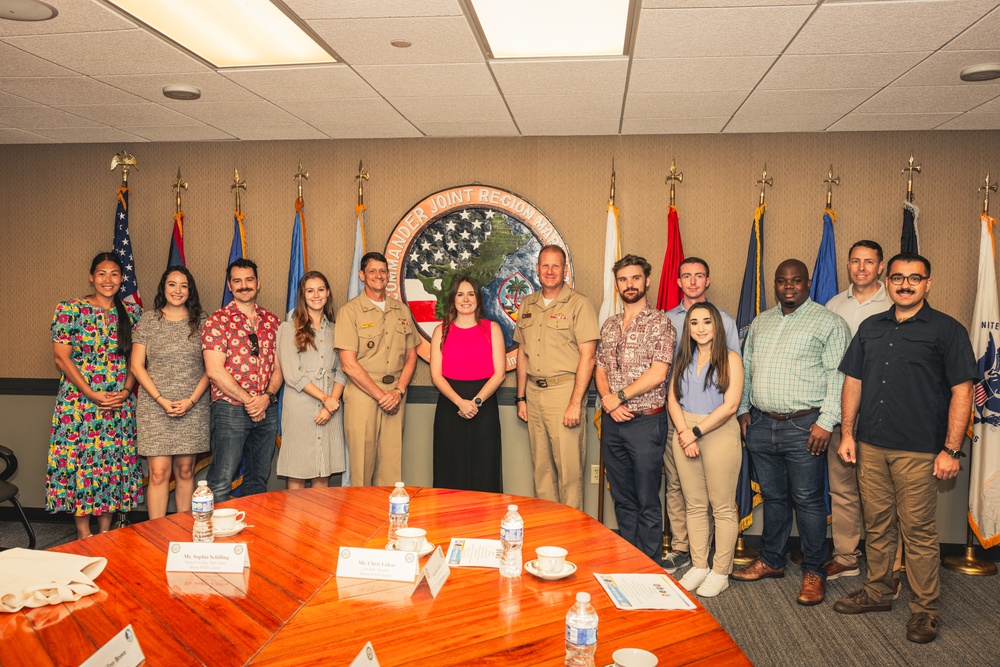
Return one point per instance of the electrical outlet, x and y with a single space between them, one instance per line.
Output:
595 474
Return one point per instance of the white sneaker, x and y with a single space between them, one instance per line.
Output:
713 584
693 578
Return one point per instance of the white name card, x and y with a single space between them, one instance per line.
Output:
207 557
122 650
435 573
381 564
366 658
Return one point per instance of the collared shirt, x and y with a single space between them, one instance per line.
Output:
907 370
855 312
790 362
625 355
550 335
678 314
228 330
381 338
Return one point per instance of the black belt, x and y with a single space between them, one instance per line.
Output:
790 415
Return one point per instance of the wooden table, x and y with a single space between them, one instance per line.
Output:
288 608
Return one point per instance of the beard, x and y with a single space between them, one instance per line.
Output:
633 297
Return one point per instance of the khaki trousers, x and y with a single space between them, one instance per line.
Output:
897 483
557 452
374 438
676 510
709 484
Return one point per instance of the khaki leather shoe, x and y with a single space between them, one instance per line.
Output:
757 570
922 628
813 589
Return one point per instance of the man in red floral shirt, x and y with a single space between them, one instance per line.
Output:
238 342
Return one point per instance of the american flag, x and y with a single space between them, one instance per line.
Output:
129 290
981 394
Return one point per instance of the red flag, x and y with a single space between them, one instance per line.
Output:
670 292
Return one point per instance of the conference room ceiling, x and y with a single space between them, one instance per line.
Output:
692 66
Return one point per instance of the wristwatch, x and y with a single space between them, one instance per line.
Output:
520 399
621 395
954 453
478 401
697 432
273 397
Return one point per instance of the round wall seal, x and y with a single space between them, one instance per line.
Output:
483 231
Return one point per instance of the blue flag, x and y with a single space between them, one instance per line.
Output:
354 282
129 291
236 251
909 239
297 265
824 278
176 255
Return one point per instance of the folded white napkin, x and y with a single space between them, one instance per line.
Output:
38 578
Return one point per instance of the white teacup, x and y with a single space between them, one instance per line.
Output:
226 519
410 539
551 560
634 657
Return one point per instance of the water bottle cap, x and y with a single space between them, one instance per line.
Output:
399 485
203 482
583 597
511 508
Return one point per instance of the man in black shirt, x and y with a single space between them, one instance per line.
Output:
906 404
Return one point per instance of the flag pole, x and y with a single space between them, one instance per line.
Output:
673 177
237 184
126 161
967 563
178 185
600 449
908 170
830 181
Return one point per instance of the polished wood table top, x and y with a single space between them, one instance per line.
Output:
289 608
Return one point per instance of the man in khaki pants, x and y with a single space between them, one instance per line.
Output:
557 336
377 340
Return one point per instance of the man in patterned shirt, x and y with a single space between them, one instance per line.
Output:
791 402
633 360
238 342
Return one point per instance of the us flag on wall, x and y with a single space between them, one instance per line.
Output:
129 291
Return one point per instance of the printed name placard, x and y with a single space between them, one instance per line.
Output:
435 572
382 564
207 557
122 650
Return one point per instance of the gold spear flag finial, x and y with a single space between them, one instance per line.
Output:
299 175
764 182
178 185
127 161
237 184
674 177
830 182
611 196
909 169
987 187
361 178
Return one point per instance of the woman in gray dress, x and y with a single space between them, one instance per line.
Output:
171 418
312 424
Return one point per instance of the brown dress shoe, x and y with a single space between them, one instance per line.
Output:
922 628
757 570
813 589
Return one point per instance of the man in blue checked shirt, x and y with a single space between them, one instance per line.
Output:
791 403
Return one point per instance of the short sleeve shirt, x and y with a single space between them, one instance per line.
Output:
855 312
228 330
907 370
551 335
380 338
625 355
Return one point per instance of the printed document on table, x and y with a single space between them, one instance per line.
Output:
464 552
644 591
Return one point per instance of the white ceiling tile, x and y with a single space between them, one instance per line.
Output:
561 77
993 106
117 115
944 67
90 135
74 16
164 133
838 71
7 100
697 4
117 52
65 90
472 128
683 105
542 127
678 75
441 39
929 99
568 107
982 35
346 9
734 31
10 135
973 121
268 132
214 87
746 123
317 112
808 102
16 62
886 27
219 113
862 122
303 83
704 125
451 109
368 128
27 118
422 80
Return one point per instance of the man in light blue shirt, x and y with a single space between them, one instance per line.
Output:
694 280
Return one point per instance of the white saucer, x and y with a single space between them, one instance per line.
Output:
532 567
424 550
235 530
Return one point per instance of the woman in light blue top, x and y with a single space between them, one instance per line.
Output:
704 393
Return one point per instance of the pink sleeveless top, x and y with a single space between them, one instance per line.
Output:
467 354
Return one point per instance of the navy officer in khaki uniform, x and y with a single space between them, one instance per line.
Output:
557 336
377 340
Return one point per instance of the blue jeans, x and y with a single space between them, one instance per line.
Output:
633 457
789 476
236 438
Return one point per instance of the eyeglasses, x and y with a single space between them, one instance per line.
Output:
913 278
254 345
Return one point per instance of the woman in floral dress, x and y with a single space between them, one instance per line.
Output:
93 468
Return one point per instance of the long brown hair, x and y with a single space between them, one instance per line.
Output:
718 365
451 313
123 331
304 335
193 303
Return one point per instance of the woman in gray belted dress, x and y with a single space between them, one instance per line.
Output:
312 423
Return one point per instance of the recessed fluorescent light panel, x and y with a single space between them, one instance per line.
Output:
230 33
553 28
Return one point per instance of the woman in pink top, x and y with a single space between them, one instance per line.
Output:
467 367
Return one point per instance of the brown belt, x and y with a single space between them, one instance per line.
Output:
790 415
553 381
647 413
384 379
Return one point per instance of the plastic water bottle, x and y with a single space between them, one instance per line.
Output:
202 507
581 633
399 510
512 536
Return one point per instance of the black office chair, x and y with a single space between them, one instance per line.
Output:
9 492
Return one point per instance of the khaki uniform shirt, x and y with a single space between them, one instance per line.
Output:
551 335
381 339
